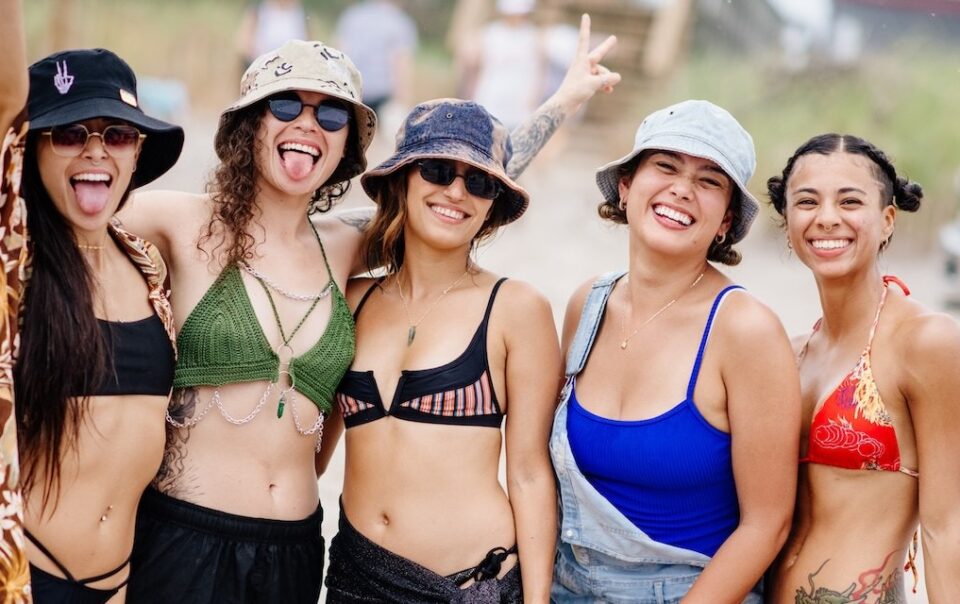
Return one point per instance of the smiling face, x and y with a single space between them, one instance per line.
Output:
295 158
836 216
445 215
86 189
677 203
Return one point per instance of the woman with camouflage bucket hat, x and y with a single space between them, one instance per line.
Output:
264 331
660 500
444 350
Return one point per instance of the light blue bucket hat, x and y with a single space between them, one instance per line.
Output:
701 129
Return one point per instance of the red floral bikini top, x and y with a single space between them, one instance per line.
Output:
853 429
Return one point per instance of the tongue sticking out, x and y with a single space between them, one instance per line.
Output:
92 197
297 164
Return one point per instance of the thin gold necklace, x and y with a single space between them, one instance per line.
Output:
625 339
89 247
412 331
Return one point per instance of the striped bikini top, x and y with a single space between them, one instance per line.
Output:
852 428
457 393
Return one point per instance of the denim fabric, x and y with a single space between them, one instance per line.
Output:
603 557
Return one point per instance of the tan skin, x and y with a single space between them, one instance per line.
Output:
862 520
742 389
213 463
89 526
13 69
440 503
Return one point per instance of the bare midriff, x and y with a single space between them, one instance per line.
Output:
89 528
428 492
262 469
851 536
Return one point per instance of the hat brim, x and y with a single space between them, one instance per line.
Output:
364 118
161 148
514 195
749 206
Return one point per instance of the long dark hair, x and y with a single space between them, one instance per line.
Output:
63 355
233 187
894 190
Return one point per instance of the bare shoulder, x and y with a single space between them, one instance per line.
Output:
357 288
169 212
334 228
929 336
749 324
522 299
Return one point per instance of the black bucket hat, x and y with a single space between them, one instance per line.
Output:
77 85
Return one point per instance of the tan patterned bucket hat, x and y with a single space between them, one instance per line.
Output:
311 67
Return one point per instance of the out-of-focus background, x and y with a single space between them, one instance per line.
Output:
887 70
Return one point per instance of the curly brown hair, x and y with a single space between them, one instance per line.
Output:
384 246
719 251
233 185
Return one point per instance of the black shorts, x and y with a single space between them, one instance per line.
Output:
363 572
184 554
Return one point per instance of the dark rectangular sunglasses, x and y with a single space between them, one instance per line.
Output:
476 181
330 114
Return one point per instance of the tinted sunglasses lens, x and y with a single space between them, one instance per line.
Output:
437 172
482 184
285 110
332 117
121 140
68 140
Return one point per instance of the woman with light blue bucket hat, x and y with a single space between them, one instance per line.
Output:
659 500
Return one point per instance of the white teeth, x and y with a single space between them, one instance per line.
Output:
93 177
673 215
830 244
448 212
313 151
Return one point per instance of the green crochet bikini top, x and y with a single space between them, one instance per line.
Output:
221 342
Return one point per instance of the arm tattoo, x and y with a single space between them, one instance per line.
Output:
358 219
173 478
530 136
871 587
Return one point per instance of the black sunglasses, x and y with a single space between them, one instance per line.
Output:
331 115
476 181
119 140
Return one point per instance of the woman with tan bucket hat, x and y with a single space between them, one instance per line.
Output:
94 372
265 333
659 500
444 350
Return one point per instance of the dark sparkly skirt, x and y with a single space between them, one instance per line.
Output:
361 571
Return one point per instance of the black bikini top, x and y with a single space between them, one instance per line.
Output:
140 358
457 393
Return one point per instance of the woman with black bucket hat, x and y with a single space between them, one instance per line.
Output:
444 350
95 367
667 501
264 330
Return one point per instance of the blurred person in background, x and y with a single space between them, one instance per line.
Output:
506 65
663 501
14 569
382 41
95 368
879 445
437 370
269 24
258 268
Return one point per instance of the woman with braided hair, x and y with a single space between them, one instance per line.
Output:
878 443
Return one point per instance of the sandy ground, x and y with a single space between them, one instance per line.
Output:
560 243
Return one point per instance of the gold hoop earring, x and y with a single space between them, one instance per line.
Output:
623 205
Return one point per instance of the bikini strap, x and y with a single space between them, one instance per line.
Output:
109 574
366 294
493 295
887 280
43 549
323 252
706 335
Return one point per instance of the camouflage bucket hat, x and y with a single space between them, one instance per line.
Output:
457 130
311 67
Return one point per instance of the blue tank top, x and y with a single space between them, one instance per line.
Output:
670 475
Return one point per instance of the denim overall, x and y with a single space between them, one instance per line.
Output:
602 556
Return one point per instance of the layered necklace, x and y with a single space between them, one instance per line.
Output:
625 339
412 330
